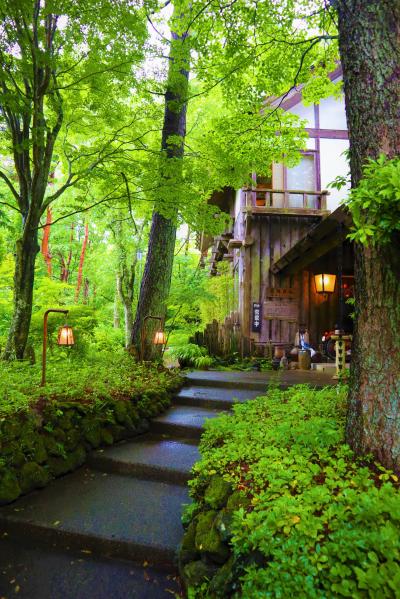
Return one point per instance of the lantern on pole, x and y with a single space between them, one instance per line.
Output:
65 337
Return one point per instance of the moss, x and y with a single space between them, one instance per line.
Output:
237 500
13 454
53 447
73 437
223 523
62 465
217 492
93 437
118 432
121 411
32 476
187 550
65 421
222 582
9 487
207 540
106 436
197 572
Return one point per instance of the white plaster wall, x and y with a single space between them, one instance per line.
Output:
305 112
332 114
333 163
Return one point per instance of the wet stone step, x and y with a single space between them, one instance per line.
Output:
108 514
183 421
218 398
150 456
37 571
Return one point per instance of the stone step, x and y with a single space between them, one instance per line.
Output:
258 381
150 456
210 397
183 421
36 571
107 514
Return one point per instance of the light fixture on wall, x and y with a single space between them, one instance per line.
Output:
325 283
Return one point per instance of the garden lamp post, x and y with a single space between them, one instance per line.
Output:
65 337
159 337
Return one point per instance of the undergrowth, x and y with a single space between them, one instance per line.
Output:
107 375
320 523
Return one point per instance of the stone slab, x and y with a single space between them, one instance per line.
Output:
259 380
210 397
183 421
34 571
108 514
150 456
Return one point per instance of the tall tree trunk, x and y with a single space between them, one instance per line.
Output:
27 249
117 320
156 281
45 241
81 262
369 38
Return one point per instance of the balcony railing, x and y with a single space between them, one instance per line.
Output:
285 199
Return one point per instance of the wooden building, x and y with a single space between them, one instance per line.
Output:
285 231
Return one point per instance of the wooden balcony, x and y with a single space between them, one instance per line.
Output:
295 202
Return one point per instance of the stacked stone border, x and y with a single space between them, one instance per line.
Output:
47 442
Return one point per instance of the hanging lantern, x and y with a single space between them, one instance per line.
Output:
65 336
325 283
159 338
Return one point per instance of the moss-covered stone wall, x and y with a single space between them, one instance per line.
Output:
42 444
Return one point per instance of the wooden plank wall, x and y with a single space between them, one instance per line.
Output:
273 236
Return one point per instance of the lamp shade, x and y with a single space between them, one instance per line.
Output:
325 283
65 336
159 338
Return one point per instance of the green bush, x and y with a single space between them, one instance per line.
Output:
319 523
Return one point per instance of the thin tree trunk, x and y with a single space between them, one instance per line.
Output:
81 262
45 241
156 281
117 320
369 37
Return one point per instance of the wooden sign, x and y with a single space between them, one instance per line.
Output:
256 318
282 292
281 310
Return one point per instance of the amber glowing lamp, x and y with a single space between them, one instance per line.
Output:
325 283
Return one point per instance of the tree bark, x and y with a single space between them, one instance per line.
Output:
369 39
27 248
45 242
156 281
81 262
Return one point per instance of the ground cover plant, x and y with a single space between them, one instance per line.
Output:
46 432
282 507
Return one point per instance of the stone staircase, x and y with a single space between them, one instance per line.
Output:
111 529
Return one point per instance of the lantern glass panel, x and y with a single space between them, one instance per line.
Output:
159 338
65 336
325 283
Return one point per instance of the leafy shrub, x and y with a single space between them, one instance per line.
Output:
187 354
320 523
203 362
375 202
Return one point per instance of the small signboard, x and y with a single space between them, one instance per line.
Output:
256 320
281 310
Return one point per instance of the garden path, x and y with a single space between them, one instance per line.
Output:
110 529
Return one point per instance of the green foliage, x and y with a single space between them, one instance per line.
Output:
188 353
105 375
320 524
375 202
